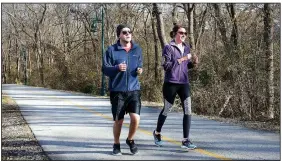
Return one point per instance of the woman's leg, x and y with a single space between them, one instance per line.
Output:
169 93
184 94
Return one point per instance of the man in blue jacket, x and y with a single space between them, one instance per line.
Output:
122 63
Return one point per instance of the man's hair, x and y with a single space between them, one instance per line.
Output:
120 27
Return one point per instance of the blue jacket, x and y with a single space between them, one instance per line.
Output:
118 80
175 72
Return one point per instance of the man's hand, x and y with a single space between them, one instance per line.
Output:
122 66
139 71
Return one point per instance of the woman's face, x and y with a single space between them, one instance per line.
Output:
181 35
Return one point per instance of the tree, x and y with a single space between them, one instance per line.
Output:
160 25
189 9
268 40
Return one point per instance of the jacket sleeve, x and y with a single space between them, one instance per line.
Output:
140 59
190 65
167 58
108 68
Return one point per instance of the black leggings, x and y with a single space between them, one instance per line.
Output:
169 93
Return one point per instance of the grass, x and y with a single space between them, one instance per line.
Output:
5 99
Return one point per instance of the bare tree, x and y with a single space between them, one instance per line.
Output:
4 66
174 14
201 29
157 54
234 33
268 40
160 25
221 27
37 38
189 9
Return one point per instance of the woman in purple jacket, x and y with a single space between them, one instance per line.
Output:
177 60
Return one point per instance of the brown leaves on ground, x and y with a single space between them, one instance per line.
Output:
18 141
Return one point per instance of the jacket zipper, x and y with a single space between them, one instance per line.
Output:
127 68
180 71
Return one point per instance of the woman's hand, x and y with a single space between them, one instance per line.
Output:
184 58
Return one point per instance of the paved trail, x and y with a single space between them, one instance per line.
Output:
77 127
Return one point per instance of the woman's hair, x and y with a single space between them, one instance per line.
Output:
174 30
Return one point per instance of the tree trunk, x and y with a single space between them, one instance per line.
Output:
84 39
37 38
3 67
174 14
201 31
195 26
147 44
67 54
156 50
190 8
30 62
40 60
268 37
25 67
9 61
234 33
160 24
18 62
221 27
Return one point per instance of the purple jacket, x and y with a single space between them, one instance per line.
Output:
174 72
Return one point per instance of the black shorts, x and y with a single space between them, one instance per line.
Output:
125 102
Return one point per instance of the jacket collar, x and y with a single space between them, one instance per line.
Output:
133 45
172 42
186 46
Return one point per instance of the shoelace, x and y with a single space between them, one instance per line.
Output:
159 137
131 142
187 142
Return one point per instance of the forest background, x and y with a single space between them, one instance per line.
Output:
59 46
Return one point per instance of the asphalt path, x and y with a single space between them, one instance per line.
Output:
74 126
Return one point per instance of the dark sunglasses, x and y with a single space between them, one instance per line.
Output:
181 33
126 32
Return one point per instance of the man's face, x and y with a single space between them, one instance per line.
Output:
125 35
181 34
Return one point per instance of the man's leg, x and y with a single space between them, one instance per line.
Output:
118 113
117 130
134 123
133 108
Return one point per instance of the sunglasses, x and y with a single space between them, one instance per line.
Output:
181 33
126 32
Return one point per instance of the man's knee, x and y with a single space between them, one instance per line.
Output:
134 118
119 122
